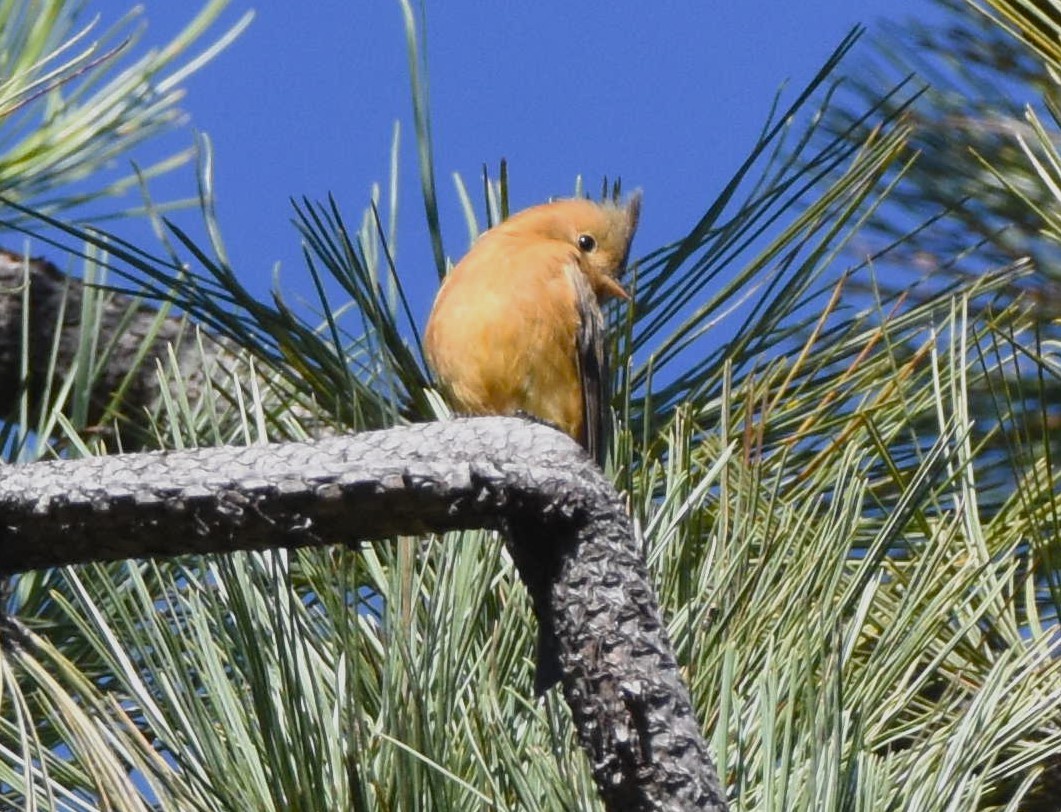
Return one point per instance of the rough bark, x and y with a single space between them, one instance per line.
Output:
620 677
132 338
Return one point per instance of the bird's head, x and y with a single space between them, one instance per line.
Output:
599 233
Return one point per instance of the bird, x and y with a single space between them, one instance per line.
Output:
517 328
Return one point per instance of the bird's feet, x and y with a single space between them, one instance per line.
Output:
533 418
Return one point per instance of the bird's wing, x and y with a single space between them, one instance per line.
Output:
594 375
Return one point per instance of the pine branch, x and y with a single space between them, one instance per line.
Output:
132 337
116 344
620 676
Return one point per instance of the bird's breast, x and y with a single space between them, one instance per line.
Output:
503 343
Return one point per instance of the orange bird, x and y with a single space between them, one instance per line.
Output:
517 325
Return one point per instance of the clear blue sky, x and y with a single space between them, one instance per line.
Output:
669 96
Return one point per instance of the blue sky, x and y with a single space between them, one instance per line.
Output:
669 96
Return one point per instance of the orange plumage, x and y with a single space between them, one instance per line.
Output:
517 325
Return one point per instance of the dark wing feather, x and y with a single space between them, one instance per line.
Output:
591 354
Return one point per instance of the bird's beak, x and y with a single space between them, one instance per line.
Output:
610 288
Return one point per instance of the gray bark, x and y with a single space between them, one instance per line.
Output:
591 589
125 339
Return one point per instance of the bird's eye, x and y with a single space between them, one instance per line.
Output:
586 243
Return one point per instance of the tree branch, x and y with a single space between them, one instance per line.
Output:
132 338
620 676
